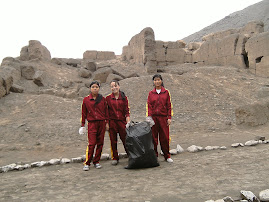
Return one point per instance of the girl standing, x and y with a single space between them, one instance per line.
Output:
94 110
159 107
119 115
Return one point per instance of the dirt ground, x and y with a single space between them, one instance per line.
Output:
35 127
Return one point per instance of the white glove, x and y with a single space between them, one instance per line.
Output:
82 130
127 125
150 121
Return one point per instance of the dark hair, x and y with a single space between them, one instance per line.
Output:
95 82
99 97
121 92
158 76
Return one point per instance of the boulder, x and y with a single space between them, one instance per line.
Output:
113 77
102 74
2 87
16 88
27 72
39 78
84 73
264 195
90 65
35 50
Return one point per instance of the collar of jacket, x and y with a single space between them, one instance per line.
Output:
91 97
162 90
113 96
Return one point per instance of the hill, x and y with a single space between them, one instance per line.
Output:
255 12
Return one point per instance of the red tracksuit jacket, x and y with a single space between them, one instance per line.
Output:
159 104
92 111
118 109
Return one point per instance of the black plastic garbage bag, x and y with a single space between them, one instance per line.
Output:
140 146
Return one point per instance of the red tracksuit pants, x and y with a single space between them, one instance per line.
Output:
96 134
161 130
116 126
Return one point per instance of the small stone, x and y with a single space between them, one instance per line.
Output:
54 161
228 199
194 148
264 195
77 160
249 196
39 164
223 148
65 160
251 143
19 167
237 145
173 152
208 148
220 200
179 149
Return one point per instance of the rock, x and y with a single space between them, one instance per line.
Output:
7 82
113 77
264 195
249 196
77 160
102 74
39 78
83 92
71 95
123 155
251 143
39 164
210 201
27 72
173 151
54 161
223 148
208 148
35 50
179 149
228 199
19 167
219 200
237 145
27 166
84 73
194 148
9 167
91 66
65 160
16 89
105 157
2 87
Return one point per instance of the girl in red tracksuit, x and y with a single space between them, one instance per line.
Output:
119 115
159 107
94 110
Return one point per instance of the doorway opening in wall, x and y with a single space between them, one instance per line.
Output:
245 56
259 59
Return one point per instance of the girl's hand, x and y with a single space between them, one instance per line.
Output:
107 126
169 122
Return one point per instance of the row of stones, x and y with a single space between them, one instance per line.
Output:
246 196
179 149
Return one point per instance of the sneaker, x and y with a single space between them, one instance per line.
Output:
86 168
114 162
169 160
97 166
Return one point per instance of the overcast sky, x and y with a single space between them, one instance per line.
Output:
68 28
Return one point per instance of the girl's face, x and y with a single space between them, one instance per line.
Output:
95 89
157 82
115 88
